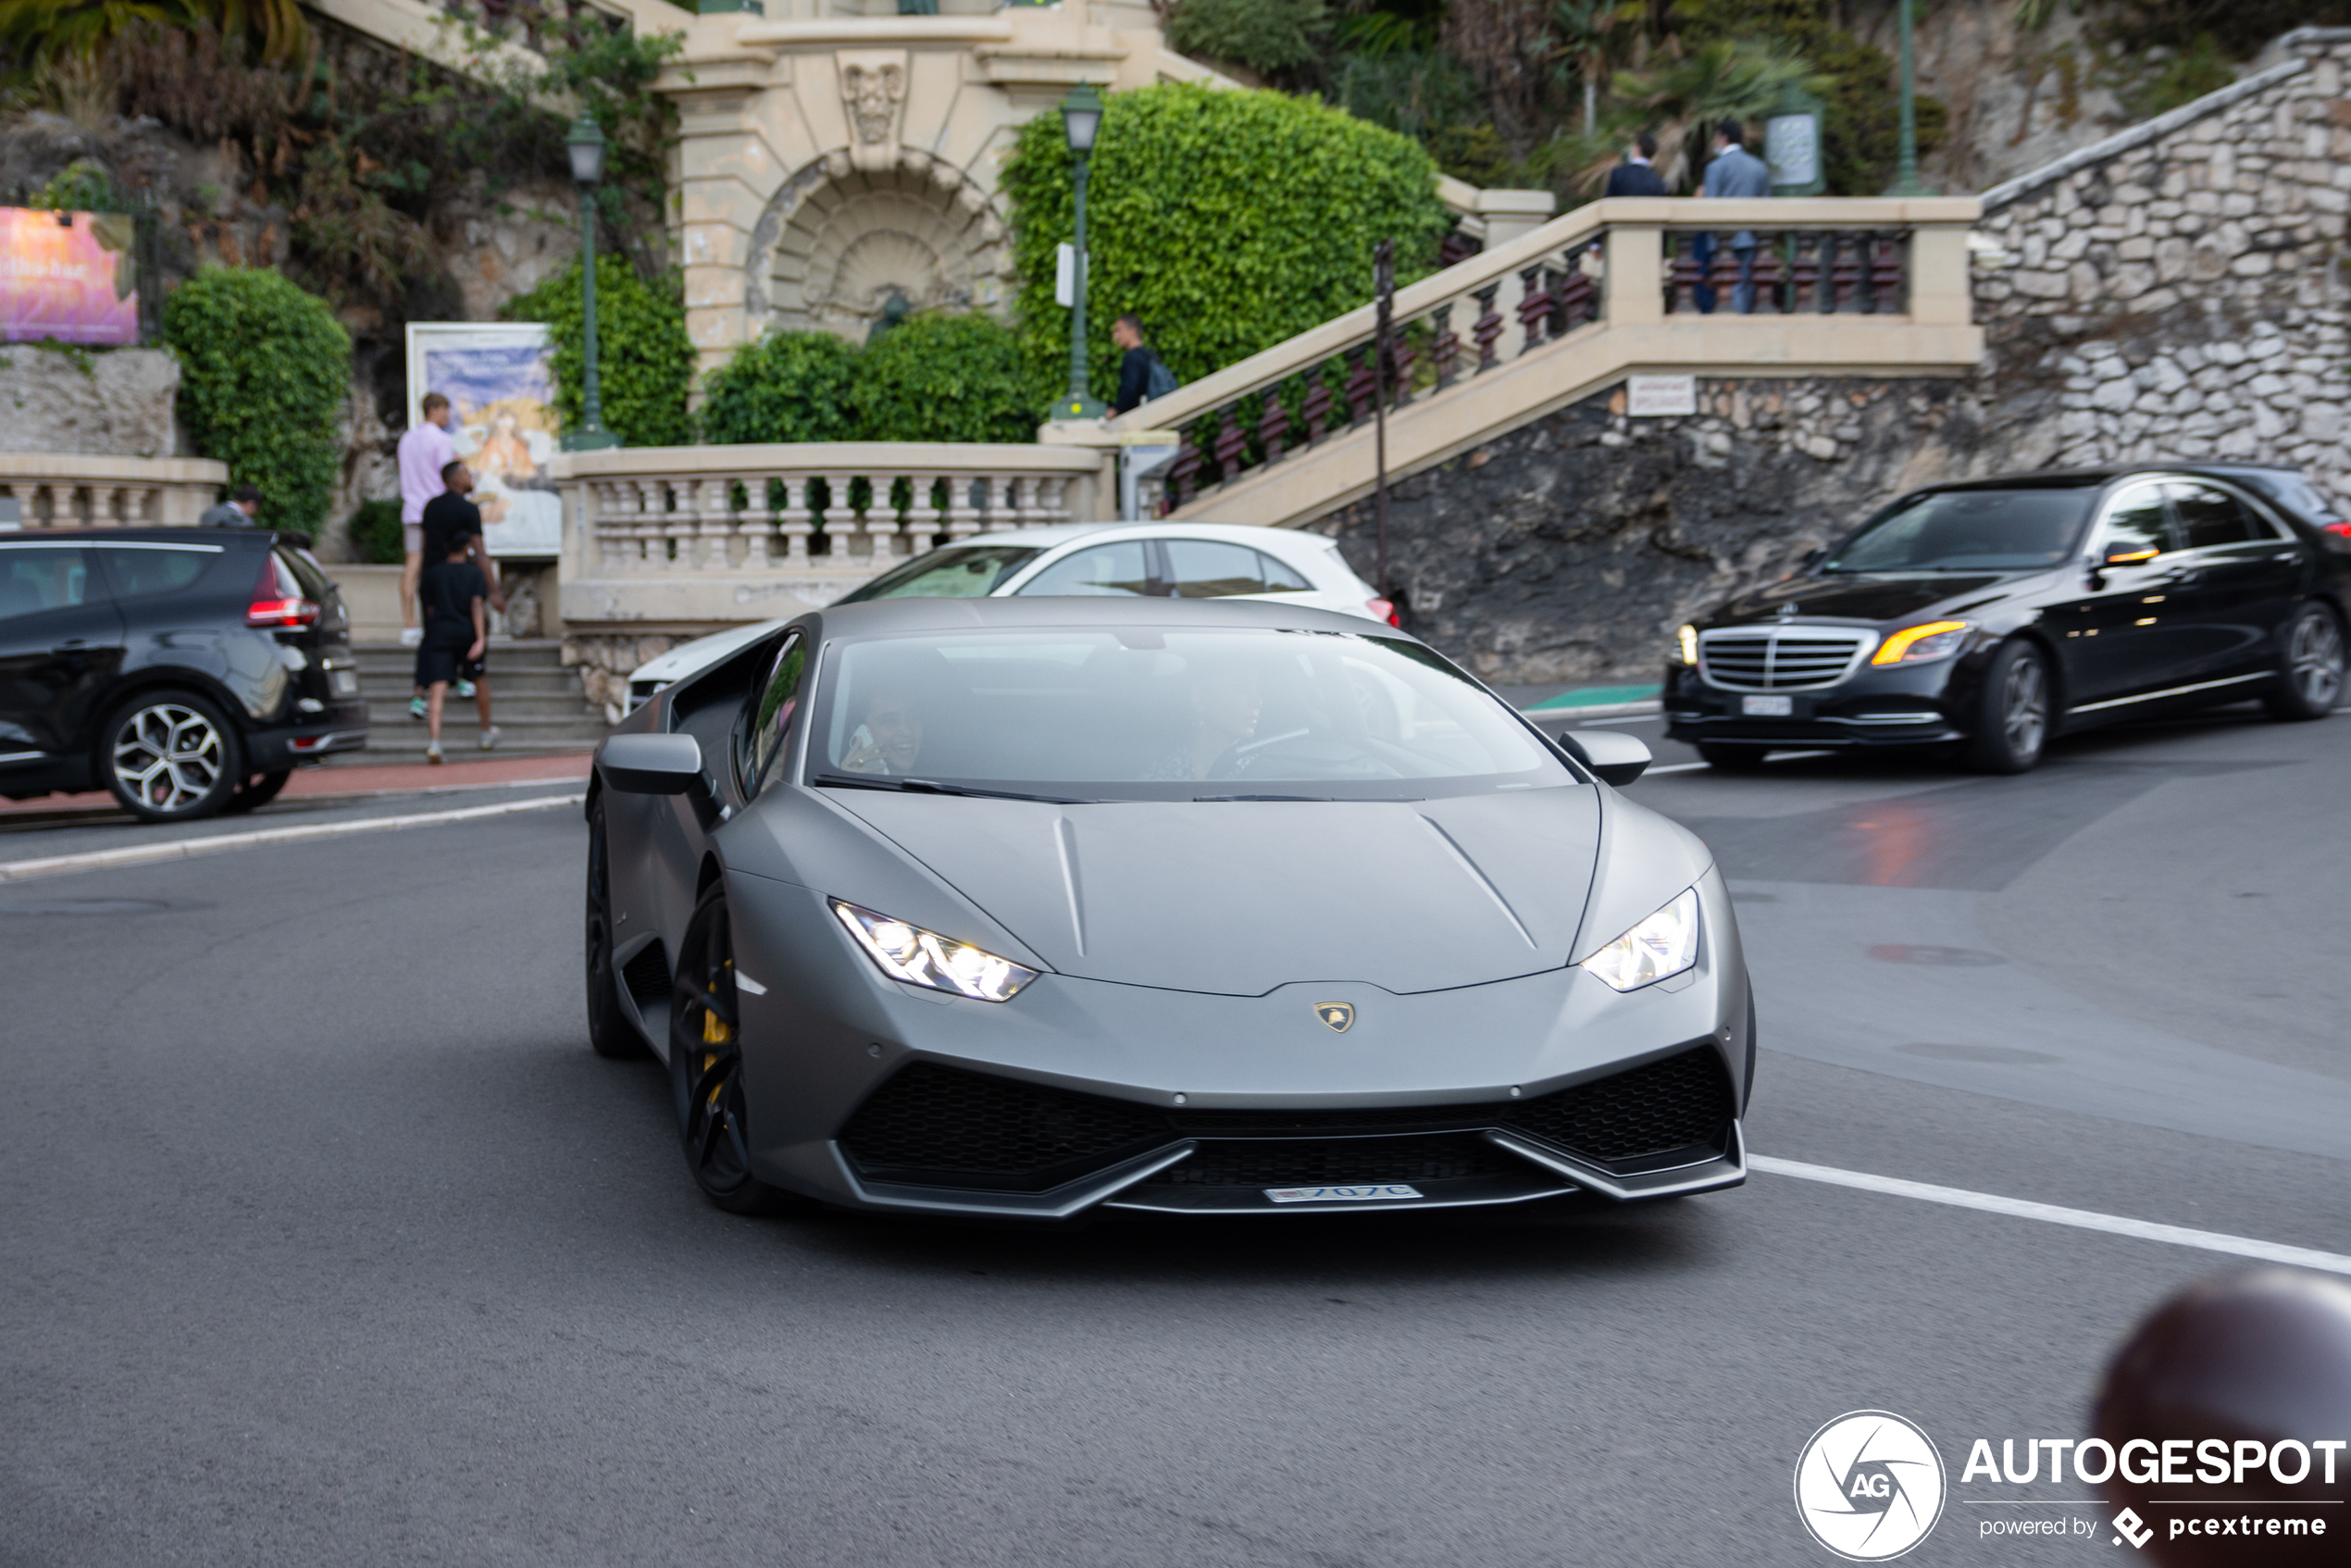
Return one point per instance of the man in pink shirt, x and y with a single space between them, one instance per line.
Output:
424 450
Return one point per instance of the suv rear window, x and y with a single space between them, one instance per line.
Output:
137 573
1968 530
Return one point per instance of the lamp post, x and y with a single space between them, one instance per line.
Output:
1081 118
585 142
1906 167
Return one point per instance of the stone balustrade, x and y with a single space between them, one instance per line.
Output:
672 539
1827 283
78 489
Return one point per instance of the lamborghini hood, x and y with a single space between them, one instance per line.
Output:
1239 897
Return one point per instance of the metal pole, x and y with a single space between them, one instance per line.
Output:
592 402
1906 167
1384 293
1080 404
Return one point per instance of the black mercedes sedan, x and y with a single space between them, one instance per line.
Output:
188 671
1988 617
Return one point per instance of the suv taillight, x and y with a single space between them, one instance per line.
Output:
1385 611
278 600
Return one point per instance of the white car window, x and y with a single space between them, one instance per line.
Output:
1122 569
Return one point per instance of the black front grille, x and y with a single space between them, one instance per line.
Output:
1339 1162
1778 660
1659 1109
945 1127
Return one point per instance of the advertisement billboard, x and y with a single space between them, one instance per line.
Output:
70 276
500 383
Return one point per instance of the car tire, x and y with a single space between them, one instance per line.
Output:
257 791
170 757
2012 712
1734 759
2309 668
609 1032
705 1064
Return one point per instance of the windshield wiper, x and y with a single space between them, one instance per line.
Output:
1265 798
933 787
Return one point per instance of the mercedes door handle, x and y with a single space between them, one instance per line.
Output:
72 645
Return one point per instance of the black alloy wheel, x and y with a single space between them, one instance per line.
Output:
258 791
170 757
2012 712
706 1064
2310 671
1728 758
609 1031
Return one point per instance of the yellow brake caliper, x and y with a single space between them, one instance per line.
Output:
713 1032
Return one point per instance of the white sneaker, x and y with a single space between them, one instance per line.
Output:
489 738
410 636
432 752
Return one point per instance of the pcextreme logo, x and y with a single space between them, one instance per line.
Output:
1868 1485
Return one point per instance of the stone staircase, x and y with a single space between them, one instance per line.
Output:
536 702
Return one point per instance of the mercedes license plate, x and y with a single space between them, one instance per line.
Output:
1342 1194
1767 707
345 682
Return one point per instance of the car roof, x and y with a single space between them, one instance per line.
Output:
883 617
1051 534
2083 479
136 536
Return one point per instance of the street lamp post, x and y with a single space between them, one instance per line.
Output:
1081 118
1906 167
585 142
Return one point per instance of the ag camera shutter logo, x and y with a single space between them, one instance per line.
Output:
1870 1485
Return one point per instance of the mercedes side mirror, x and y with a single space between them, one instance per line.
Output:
1613 756
2121 555
652 765
1812 558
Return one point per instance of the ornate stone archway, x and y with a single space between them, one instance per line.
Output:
837 239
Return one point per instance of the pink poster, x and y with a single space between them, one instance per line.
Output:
69 276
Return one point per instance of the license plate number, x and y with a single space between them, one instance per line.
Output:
344 682
1767 707
1342 1194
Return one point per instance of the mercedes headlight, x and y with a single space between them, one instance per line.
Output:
926 958
1919 644
1685 644
1660 946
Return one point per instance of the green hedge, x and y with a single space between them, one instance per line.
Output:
264 371
1228 220
376 533
644 361
787 386
949 378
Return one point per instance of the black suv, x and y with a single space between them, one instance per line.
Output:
1990 616
189 670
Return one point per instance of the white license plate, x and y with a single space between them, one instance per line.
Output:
1342 1194
1768 707
345 682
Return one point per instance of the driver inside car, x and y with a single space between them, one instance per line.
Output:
1224 700
890 737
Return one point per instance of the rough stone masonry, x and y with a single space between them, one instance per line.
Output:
2176 292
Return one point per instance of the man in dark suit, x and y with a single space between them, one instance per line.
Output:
1633 177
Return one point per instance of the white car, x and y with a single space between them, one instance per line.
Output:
1118 560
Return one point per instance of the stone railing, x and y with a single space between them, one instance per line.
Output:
675 538
74 490
1820 283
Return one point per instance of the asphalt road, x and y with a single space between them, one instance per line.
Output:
324 1239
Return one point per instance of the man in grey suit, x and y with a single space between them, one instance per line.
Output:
1735 173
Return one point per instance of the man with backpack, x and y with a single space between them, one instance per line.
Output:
1143 375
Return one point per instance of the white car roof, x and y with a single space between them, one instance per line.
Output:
1235 533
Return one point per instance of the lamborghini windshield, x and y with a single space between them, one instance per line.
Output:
1969 530
1136 714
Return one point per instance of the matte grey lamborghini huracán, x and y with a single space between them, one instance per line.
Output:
1027 907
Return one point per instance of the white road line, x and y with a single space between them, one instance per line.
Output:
2050 1213
184 849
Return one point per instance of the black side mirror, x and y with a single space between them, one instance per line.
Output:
653 764
1613 756
1812 558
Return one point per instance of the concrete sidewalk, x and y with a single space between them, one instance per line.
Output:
357 780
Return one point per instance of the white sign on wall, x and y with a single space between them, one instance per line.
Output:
1792 148
1659 397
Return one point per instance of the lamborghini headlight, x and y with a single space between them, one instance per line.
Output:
1660 946
926 958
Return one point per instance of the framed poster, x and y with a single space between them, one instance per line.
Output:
499 378
70 276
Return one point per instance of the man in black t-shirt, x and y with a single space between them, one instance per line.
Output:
453 598
444 515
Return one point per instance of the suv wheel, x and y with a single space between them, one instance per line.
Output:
258 791
2310 675
2012 712
170 757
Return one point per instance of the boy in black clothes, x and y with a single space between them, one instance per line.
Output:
454 597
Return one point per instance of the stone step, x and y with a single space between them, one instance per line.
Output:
504 710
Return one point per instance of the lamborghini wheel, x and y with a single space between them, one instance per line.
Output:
705 1064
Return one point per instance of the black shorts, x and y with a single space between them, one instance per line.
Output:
443 657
